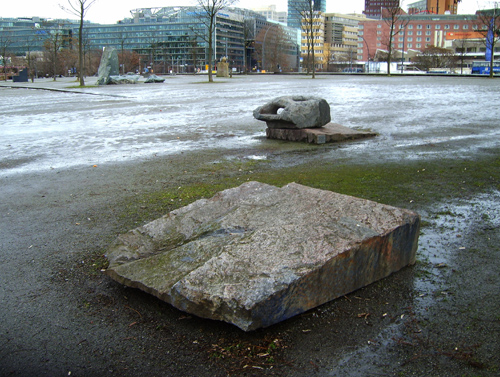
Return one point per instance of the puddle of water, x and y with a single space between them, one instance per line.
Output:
440 246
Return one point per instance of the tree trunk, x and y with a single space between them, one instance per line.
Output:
492 59
389 54
80 47
312 53
210 53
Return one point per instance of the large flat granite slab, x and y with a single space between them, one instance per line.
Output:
330 133
256 254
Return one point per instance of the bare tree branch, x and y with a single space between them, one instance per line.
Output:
79 8
396 19
209 18
489 26
308 15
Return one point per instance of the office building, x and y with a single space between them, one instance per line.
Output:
373 8
163 39
434 7
296 9
421 32
272 14
341 38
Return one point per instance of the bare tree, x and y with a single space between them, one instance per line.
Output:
53 44
270 47
79 8
29 43
209 19
122 39
308 15
460 51
396 19
193 43
489 26
435 57
5 42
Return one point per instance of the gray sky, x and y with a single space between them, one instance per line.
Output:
110 11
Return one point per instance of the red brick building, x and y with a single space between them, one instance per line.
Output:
373 8
421 32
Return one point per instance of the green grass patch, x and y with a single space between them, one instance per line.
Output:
404 184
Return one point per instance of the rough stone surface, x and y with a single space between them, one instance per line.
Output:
330 133
108 67
294 112
124 79
154 79
223 68
257 254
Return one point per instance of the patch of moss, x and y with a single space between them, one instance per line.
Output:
410 184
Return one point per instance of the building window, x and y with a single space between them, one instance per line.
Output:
465 27
410 45
410 39
410 26
428 27
419 26
427 33
410 33
379 26
419 45
456 27
379 44
379 32
427 39
400 39
438 26
419 39
419 32
400 45
446 27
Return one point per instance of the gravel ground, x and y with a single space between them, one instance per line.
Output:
61 316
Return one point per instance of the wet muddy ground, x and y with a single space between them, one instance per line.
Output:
77 169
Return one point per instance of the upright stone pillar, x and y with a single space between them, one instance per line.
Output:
223 68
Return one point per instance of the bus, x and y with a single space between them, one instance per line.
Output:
483 68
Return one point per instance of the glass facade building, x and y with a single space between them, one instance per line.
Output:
294 10
166 36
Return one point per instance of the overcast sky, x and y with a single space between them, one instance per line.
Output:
110 11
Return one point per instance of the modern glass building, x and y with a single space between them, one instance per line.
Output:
174 36
296 6
165 37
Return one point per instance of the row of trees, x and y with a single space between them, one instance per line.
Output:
271 50
55 41
59 57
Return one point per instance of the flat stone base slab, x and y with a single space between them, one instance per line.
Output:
256 254
330 133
